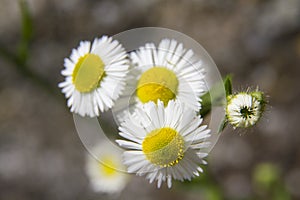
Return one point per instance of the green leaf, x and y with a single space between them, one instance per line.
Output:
223 125
215 96
206 104
228 85
26 31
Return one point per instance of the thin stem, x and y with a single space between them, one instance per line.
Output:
25 70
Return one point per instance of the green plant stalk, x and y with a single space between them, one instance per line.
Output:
26 31
25 71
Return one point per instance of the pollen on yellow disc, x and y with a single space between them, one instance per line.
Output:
88 72
163 147
157 83
108 166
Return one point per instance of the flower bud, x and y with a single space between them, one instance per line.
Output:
245 108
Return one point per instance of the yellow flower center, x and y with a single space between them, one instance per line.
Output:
157 83
88 72
108 166
163 147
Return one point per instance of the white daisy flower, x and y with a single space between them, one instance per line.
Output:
106 173
164 143
165 73
244 110
94 76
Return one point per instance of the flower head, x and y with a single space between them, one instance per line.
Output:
245 109
164 143
106 173
165 73
94 76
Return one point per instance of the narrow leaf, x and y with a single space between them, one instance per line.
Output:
26 33
205 104
228 85
215 96
223 125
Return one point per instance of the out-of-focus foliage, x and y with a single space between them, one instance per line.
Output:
268 182
257 41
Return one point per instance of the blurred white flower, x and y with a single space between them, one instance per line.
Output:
164 143
94 76
105 170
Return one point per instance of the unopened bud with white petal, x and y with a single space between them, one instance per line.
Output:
245 109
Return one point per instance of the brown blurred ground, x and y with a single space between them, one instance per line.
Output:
41 156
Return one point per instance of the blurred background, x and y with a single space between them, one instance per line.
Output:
258 41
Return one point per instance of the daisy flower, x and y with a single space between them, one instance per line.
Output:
107 174
165 73
244 110
94 76
164 143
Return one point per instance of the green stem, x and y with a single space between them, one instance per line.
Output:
25 71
